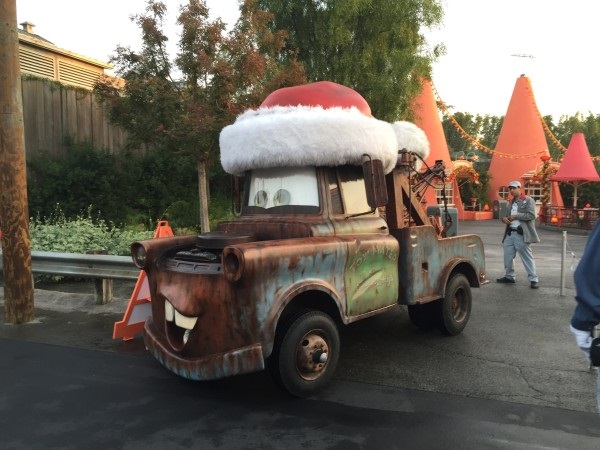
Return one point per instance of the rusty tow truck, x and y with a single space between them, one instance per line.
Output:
331 230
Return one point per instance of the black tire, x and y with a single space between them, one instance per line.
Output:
422 316
305 353
454 309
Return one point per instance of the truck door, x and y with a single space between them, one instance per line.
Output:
371 275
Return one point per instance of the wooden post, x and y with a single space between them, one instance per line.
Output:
14 215
103 286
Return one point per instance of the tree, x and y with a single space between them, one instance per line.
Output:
218 76
481 131
372 46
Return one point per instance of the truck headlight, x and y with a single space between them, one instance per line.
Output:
233 264
138 254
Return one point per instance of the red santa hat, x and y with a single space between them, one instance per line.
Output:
316 124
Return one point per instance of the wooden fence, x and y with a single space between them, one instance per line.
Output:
52 112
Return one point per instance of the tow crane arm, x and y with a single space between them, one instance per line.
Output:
404 206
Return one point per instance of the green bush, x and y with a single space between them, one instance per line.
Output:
127 188
83 234
124 188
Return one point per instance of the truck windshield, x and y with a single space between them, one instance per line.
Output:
290 189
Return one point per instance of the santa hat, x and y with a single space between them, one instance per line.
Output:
413 139
317 124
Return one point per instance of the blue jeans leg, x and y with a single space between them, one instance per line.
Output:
510 252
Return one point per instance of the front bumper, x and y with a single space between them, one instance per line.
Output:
235 362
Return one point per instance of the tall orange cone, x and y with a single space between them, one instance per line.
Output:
138 309
521 143
427 118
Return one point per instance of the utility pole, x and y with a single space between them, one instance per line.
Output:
14 214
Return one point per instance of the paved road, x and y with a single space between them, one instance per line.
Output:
512 379
64 397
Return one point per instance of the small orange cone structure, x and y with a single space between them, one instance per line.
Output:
521 142
427 118
138 309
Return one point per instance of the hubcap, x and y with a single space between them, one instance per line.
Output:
459 309
311 355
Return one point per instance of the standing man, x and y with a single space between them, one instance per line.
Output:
587 295
519 233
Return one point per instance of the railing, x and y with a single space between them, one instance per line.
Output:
103 268
564 217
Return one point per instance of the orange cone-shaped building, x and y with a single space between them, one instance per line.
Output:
577 166
521 144
427 118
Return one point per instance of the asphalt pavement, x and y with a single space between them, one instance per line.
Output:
516 351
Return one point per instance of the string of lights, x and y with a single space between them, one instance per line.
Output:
445 110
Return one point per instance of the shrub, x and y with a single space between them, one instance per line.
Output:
83 234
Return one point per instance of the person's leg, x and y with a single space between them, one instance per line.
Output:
509 256
524 251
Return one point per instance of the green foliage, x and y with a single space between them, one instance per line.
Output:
219 74
125 188
469 190
82 234
82 177
220 208
373 46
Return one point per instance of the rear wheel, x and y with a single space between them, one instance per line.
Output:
306 353
454 309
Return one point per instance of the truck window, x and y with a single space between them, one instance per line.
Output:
272 189
347 190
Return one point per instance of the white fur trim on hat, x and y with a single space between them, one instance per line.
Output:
412 138
294 136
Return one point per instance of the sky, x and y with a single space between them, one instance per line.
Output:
489 44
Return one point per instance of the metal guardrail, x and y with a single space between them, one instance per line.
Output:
82 265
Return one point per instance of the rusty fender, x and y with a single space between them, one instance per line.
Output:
427 261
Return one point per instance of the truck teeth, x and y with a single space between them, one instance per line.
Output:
172 315
169 312
185 321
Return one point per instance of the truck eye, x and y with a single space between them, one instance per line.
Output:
261 198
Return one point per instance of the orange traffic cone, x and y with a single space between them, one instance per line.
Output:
139 308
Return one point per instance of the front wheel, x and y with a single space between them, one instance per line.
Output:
454 309
307 353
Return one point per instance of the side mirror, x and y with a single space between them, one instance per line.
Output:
374 182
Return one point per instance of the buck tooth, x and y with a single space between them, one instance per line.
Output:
185 321
169 311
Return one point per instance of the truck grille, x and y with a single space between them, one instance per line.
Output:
194 260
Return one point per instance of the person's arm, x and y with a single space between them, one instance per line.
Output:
528 214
